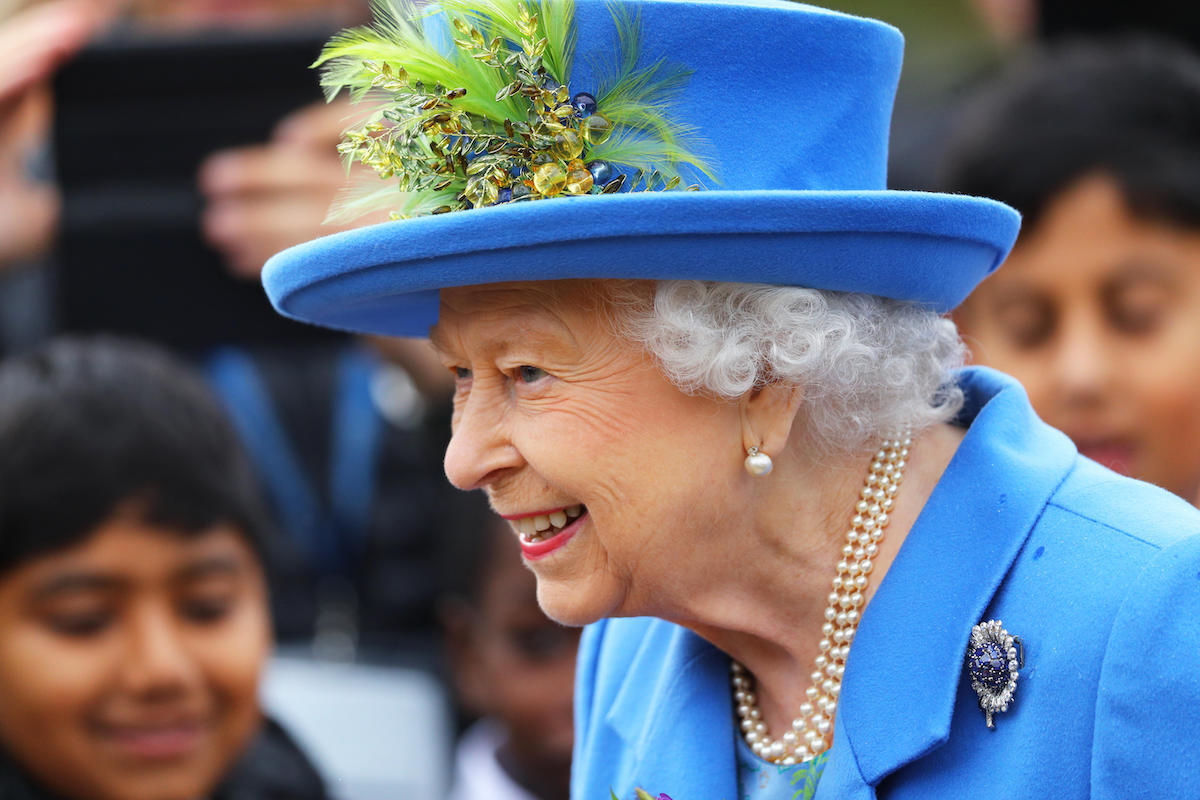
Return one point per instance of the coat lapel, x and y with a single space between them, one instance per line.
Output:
904 669
680 723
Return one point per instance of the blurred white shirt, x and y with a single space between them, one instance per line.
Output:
477 772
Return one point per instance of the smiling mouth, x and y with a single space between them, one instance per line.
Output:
1117 455
540 527
155 743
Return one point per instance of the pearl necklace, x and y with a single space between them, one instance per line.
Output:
811 731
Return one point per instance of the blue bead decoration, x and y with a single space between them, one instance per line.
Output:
520 191
602 172
505 196
993 660
989 666
585 104
549 84
517 170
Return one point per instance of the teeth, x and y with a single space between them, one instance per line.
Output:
538 528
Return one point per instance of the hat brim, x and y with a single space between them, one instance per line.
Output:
384 279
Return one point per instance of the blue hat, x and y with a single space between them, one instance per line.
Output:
791 107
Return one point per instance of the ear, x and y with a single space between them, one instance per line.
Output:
768 414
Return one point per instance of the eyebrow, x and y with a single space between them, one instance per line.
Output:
210 566
524 335
1135 270
71 582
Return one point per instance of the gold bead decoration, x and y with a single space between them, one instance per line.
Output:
550 179
481 192
568 144
579 178
597 128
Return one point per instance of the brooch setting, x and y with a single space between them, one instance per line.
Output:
994 658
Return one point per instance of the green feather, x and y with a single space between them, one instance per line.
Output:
358 200
641 99
557 19
502 18
633 148
398 38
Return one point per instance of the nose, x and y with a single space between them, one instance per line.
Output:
157 663
480 450
1084 364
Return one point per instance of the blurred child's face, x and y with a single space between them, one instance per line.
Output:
1097 313
517 666
129 663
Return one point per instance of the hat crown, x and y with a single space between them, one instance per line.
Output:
781 95
792 105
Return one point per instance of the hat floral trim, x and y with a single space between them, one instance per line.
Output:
495 120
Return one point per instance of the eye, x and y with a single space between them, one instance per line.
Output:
528 374
1027 323
1138 307
79 626
206 610
461 373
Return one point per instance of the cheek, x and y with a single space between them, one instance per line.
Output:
48 682
232 657
49 690
1165 381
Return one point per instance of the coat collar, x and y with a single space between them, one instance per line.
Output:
903 673
681 726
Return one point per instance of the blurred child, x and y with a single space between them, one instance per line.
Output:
512 666
1097 310
133 603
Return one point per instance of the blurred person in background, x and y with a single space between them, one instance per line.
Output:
165 244
33 43
1097 310
513 667
134 623
952 47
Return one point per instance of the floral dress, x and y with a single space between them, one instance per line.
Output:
762 780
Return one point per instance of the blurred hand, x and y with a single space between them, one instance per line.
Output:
266 198
35 41
32 45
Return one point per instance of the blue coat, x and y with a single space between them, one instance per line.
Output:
1099 575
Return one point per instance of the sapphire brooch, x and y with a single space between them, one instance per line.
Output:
994 657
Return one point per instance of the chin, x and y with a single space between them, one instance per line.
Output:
572 605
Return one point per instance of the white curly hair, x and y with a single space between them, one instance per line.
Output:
869 366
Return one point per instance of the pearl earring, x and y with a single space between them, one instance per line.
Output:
758 463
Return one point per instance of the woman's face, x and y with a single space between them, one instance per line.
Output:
554 415
1097 313
129 663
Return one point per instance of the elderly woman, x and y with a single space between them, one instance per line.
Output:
726 424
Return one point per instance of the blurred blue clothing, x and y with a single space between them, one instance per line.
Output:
1098 574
